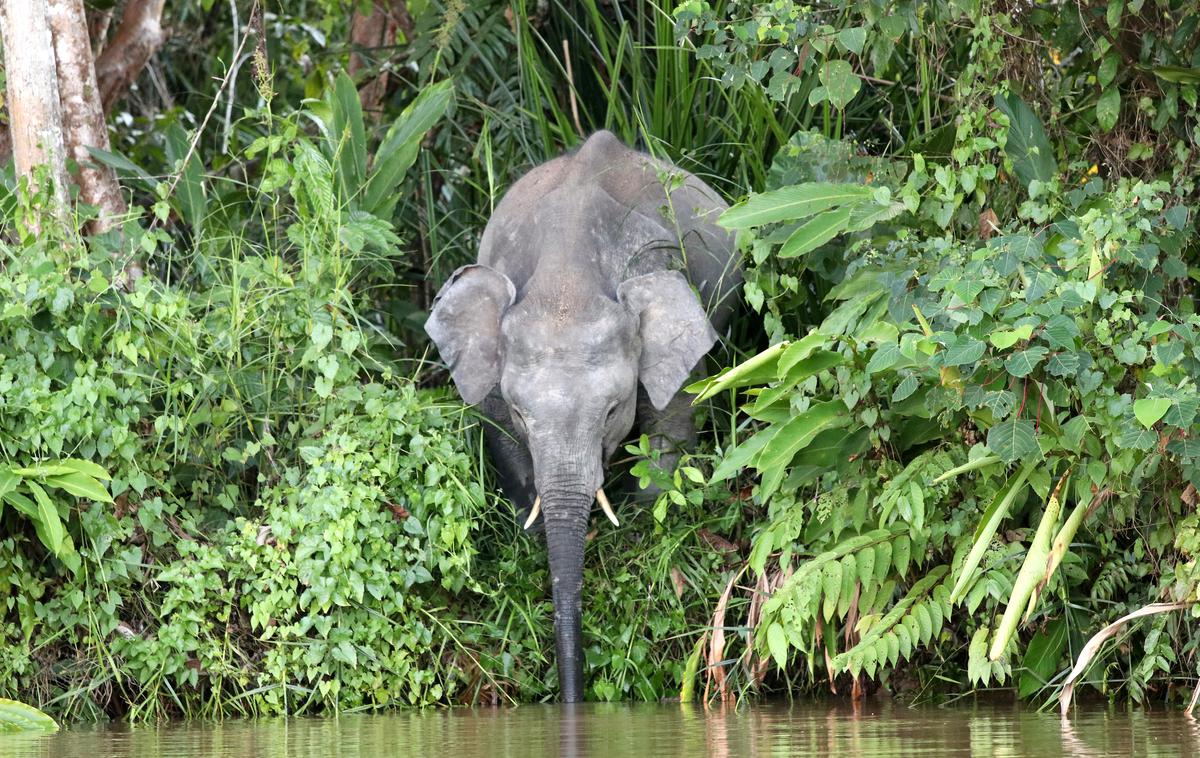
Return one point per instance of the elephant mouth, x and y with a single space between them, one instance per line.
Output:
601 498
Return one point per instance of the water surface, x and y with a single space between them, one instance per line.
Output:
881 728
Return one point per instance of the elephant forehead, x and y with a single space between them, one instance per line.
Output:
568 327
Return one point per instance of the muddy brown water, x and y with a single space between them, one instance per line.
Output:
645 731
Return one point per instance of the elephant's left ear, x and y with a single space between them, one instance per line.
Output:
674 328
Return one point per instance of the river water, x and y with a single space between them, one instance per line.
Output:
883 728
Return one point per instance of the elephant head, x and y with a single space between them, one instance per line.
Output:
568 358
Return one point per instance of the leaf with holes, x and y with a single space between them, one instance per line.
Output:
840 82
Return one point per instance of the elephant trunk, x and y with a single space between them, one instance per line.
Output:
566 519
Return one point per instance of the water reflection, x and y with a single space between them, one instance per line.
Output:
882 728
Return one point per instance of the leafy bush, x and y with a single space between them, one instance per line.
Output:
998 351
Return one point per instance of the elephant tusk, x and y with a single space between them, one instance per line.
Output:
606 507
537 508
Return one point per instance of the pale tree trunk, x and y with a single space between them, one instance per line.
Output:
82 117
138 36
369 34
35 118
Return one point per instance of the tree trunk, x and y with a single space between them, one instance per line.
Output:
82 117
138 36
369 34
35 118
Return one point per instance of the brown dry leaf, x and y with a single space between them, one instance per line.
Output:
716 646
678 580
989 224
1093 646
717 541
1189 495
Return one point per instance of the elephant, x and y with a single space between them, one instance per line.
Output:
598 270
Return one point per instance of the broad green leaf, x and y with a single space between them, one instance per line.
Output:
1108 108
799 431
794 202
963 351
987 528
743 454
1005 339
886 356
1177 74
816 232
347 137
1150 409
801 370
1060 331
19 717
1133 438
687 691
1027 145
905 388
853 39
8 482
798 351
125 168
757 370
1013 440
840 82
831 586
85 467
22 504
80 485
192 205
1041 659
399 149
777 644
48 517
1108 69
1021 364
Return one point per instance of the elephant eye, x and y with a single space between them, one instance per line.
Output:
612 412
516 414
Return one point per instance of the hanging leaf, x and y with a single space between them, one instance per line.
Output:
1027 147
398 151
816 232
840 82
790 203
1108 108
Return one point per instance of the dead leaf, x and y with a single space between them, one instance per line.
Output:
1099 638
679 581
989 224
717 541
1189 495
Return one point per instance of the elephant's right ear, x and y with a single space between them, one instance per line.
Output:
465 325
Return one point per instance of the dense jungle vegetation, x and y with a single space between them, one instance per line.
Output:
951 435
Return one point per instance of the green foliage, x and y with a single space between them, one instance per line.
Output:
72 476
976 389
19 717
962 438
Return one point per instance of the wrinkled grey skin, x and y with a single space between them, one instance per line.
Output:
583 291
